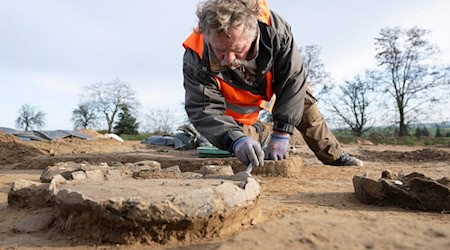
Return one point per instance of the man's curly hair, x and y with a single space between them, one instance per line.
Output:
221 16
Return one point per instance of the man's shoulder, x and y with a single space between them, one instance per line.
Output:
191 58
278 31
278 22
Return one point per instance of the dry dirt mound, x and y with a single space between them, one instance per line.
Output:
91 132
79 146
363 141
422 155
8 138
12 150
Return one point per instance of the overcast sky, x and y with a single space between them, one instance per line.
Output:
49 50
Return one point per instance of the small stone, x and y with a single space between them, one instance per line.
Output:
386 174
397 182
191 175
175 169
95 175
57 179
78 175
115 174
216 170
62 168
149 165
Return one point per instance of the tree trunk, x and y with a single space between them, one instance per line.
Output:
110 127
403 129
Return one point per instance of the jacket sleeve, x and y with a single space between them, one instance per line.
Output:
205 104
289 82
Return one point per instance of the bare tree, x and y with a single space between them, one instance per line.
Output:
351 105
160 121
84 116
107 98
30 117
408 71
319 78
184 116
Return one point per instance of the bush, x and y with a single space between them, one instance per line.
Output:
418 132
429 142
425 132
441 141
438 133
408 140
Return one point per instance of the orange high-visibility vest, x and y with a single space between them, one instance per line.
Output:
242 105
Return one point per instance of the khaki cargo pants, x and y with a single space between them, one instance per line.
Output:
316 133
314 130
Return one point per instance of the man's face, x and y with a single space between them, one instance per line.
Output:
233 50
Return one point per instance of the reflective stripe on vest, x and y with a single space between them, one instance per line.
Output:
242 105
245 110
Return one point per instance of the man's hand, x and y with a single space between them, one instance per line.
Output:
278 147
248 150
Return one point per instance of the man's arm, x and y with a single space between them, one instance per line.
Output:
205 105
289 79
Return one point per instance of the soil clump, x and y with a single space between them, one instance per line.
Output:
413 191
421 155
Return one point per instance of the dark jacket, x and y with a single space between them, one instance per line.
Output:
278 53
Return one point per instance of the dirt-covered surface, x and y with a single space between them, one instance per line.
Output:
316 209
417 155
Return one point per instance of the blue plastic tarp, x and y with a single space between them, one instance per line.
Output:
44 135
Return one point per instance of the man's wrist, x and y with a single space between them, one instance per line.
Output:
231 137
283 127
276 132
235 143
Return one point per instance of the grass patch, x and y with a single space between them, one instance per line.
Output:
387 136
392 140
138 137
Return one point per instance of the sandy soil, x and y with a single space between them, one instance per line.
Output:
316 210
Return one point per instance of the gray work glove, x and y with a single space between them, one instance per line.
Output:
248 150
278 147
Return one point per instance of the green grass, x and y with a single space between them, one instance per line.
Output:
386 136
391 140
412 131
138 137
127 137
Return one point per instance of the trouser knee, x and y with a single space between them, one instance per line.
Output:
316 133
